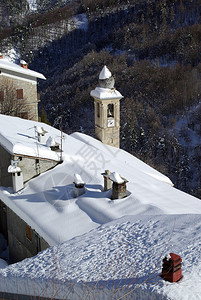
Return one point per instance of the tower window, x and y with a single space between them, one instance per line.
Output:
110 110
98 110
19 93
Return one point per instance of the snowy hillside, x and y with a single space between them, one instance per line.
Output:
110 241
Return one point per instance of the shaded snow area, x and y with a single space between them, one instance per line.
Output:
80 21
124 256
12 55
100 247
51 32
32 5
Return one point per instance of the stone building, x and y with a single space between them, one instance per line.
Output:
23 156
21 152
107 109
18 89
23 241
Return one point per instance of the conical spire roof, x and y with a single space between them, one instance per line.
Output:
105 73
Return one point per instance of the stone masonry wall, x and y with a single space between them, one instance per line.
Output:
30 96
23 241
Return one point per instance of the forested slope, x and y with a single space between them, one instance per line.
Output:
152 48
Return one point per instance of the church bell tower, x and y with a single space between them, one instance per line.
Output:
107 109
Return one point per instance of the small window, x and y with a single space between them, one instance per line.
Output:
1 96
110 110
98 110
37 161
18 173
19 93
28 232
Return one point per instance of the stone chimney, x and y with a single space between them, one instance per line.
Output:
24 64
118 186
79 185
107 181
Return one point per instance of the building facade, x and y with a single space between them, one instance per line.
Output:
18 90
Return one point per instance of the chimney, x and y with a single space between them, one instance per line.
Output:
54 146
171 270
79 185
24 64
107 181
118 186
40 134
17 177
1 55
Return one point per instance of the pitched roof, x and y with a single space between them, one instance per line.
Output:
7 65
48 204
18 136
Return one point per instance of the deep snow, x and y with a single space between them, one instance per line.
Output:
95 239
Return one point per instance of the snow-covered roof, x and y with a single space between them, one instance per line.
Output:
104 93
105 73
18 136
10 66
155 219
55 214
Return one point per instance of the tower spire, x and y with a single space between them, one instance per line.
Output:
107 109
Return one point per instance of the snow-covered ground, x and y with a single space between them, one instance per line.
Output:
12 55
101 245
32 5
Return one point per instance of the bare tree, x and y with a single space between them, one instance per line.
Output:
12 100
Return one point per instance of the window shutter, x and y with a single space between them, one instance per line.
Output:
28 232
24 115
1 96
19 93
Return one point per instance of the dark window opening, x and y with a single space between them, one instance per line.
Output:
98 110
110 110
37 161
18 173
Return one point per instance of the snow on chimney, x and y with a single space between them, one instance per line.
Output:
107 181
79 185
17 177
40 134
118 186
54 146
24 64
